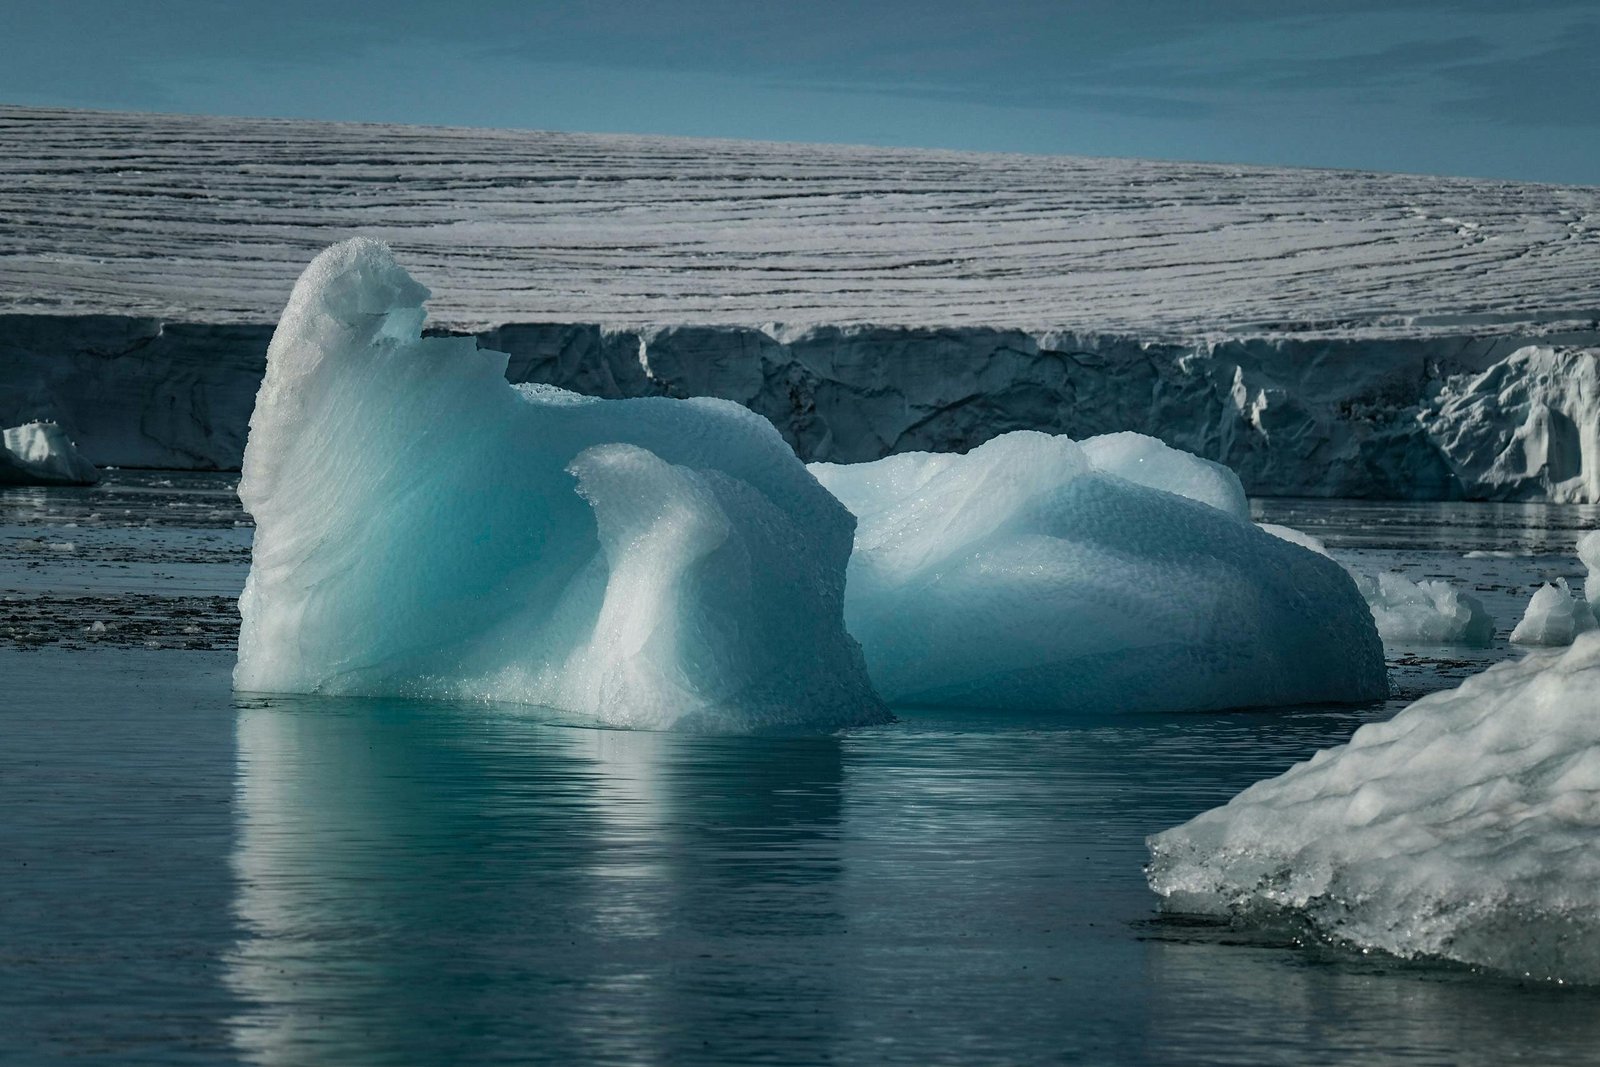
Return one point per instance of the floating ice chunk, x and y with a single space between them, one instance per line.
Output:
1424 613
40 453
1554 617
1463 828
1022 575
1151 462
423 528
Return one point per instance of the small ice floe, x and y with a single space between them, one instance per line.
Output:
1555 616
1429 612
62 546
40 453
1462 829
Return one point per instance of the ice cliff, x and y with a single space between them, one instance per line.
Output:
1322 333
1441 419
40 453
424 528
1463 829
1037 573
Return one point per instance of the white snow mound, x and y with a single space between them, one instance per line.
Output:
425 529
1465 828
40 453
1035 573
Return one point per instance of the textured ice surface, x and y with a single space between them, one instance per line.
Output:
1025 575
423 528
1526 428
1429 612
40 453
1554 617
1464 828
525 226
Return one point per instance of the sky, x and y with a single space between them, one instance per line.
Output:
1501 89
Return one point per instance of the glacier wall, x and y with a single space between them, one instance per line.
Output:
1443 417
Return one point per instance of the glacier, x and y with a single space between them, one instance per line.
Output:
425 529
1037 573
1322 333
1462 829
41 453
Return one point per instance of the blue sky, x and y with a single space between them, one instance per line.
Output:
1498 89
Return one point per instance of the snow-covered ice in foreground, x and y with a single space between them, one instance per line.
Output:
1555 616
1464 828
423 528
1428 612
1038 573
40 453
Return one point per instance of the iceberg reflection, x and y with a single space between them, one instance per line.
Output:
420 883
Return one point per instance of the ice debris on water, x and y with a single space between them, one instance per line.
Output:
1463 829
1555 616
1040 573
423 528
1429 612
41 453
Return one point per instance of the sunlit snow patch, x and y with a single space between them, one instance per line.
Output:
41 453
425 529
1037 573
1465 828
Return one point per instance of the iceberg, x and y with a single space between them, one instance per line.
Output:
1555 616
41 453
425 529
1038 573
1462 829
1428 612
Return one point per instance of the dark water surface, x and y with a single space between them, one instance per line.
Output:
187 876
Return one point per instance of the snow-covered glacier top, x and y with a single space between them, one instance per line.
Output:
210 219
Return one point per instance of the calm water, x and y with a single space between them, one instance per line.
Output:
189 877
